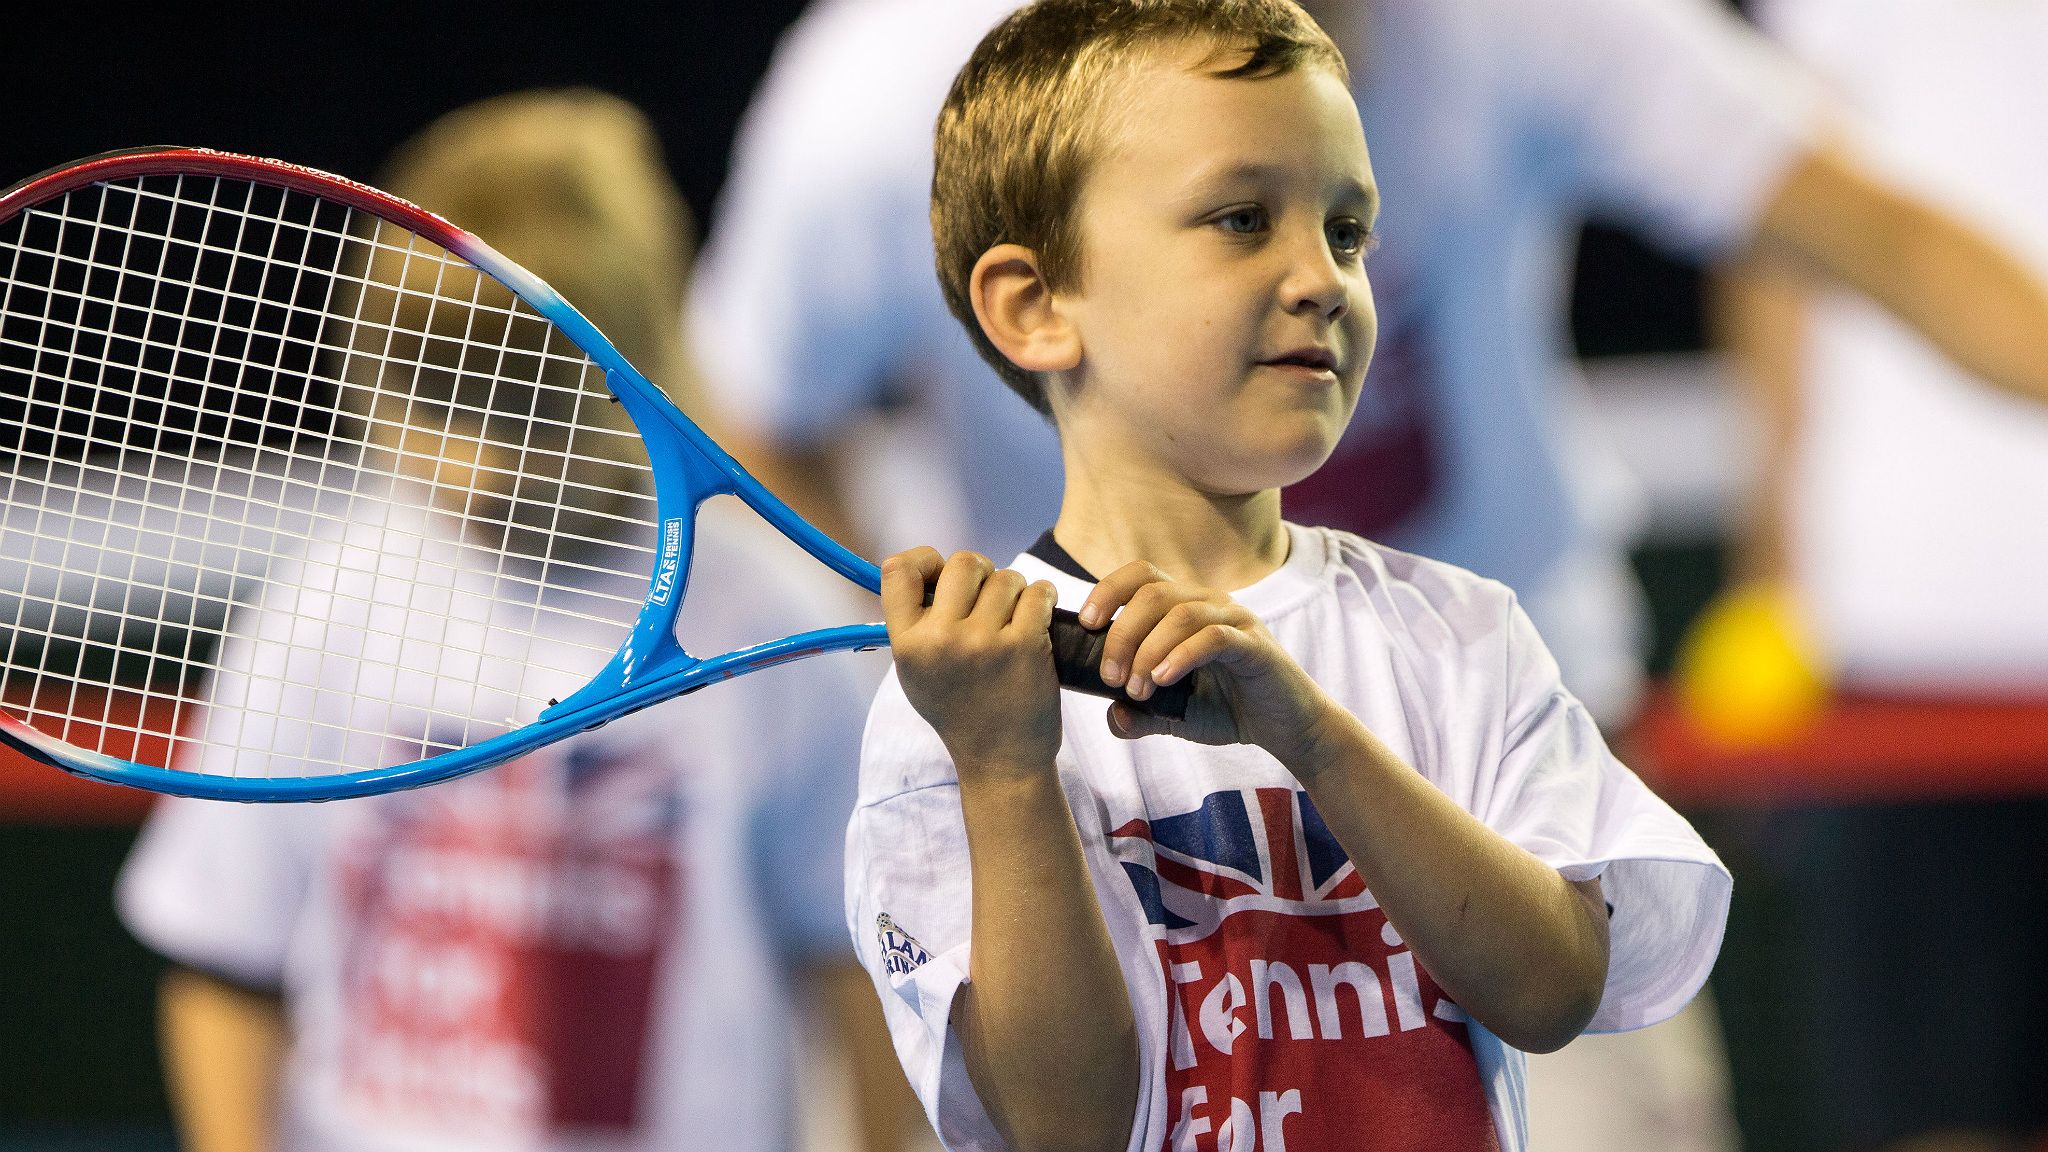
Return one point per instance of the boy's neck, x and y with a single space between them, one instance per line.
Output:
1223 542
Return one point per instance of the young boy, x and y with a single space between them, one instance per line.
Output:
1386 851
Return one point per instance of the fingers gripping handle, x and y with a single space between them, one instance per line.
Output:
1077 657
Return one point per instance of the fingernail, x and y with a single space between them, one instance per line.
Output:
1163 674
1112 673
1091 616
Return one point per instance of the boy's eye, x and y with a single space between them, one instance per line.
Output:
1349 238
1243 221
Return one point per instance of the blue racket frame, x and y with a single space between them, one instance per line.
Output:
689 468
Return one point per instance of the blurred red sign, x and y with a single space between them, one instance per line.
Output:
1863 748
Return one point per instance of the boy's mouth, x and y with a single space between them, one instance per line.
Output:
1313 358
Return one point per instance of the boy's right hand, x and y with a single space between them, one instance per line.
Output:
977 662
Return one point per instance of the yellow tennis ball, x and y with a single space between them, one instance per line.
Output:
1748 672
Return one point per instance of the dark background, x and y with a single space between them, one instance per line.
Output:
337 87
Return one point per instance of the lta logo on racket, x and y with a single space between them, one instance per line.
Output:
671 560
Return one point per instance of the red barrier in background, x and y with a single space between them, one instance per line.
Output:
32 792
1864 748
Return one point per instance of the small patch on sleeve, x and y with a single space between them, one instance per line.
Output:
901 953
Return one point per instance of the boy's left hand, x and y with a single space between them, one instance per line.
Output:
1168 629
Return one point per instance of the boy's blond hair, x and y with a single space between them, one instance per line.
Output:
1027 117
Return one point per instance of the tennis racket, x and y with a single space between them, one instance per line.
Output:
396 509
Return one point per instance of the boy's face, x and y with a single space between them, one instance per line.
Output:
1222 307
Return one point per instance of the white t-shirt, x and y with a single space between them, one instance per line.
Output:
1495 127
587 948
1920 523
1269 989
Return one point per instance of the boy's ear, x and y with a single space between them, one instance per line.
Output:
1018 313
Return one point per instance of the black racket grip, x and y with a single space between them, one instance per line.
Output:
1077 660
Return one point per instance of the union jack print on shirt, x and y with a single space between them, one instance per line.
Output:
1297 1013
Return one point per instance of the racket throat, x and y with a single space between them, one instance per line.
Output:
626 686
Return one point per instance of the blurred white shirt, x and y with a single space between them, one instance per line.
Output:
588 949
1920 523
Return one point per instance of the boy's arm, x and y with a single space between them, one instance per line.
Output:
1044 1021
223 1050
1517 946
1520 948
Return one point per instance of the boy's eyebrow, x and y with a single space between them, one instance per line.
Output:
1205 180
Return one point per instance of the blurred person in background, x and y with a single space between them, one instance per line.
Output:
1899 534
1498 126
605 944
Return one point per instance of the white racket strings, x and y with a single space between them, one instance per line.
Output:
256 443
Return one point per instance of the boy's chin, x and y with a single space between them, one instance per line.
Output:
1281 468
1303 454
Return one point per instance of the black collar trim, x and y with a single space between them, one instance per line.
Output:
1048 550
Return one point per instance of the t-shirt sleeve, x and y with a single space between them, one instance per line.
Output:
798 303
1677 116
909 904
219 886
1562 795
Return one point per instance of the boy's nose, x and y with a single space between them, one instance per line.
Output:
1314 282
